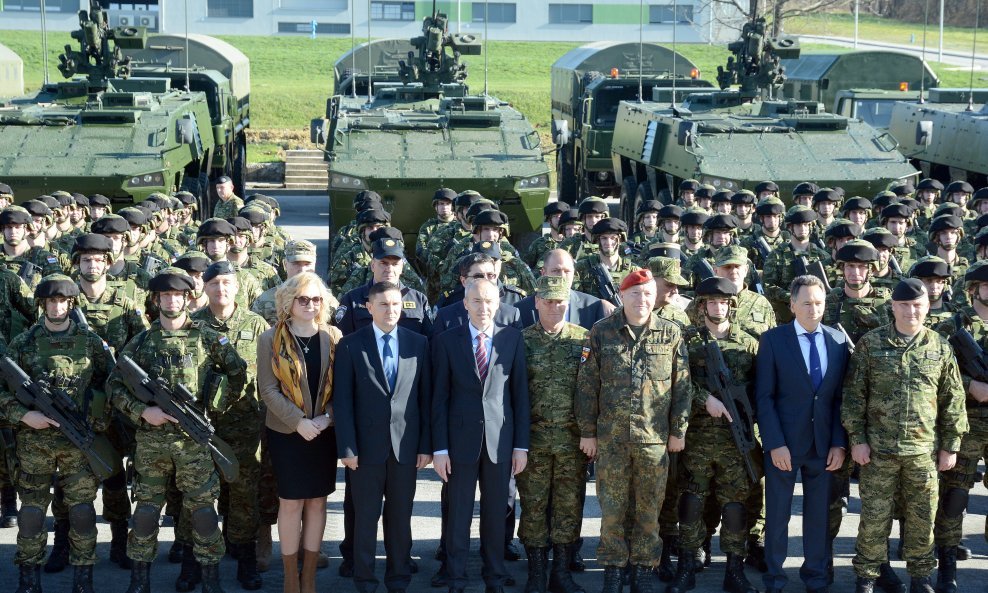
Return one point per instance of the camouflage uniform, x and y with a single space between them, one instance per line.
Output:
536 251
858 315
45 262
265 274
903 398
632 415
750 241
359 273
753 313
229 208
17 301
780 272
586 280
426 230
579 246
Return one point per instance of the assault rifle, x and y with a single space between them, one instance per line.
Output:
970 355
735 399
180 404
840 326
608 291
57 405
27 272
894 264
763 249
805 267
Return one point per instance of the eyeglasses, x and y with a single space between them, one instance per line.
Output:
304 300
481 276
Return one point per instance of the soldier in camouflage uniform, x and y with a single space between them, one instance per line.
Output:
751 311
646 228
743 208
117 230
444 237
347 235
857 210
826 202
592 210
490 226
263 247
555 463
897 219
928 195
194 263
721 202
16 252
608 261
934 273
669 279
632 406
946 233
711 460
856 305
780 269
702 198
884 275
300 256
179 351
214 238
442 204
552 212
344 260
239 254
71 358
768 230
360 272
692 223
903 410
685 194
229 203
719 231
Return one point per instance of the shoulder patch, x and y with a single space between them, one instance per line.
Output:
339 314
224 340
408 304
585 354
52 259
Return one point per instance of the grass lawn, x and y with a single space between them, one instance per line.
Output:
878 29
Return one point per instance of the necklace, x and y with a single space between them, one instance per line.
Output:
305 346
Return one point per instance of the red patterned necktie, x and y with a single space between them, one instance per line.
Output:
481 356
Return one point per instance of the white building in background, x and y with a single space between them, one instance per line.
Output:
537 20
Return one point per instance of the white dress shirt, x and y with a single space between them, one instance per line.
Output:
804 346
379 339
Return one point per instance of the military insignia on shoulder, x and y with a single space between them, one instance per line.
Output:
390 243
224 340
408 304
585 354
105 345
486 244
52 259
139 312
339 314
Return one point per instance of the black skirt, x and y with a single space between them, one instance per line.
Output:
303 469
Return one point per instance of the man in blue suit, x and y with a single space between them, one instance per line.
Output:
800 374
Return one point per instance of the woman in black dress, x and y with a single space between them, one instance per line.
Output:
294 374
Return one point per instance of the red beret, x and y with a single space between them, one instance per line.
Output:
640 276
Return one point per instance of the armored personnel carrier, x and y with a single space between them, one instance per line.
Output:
136 115
733 139
410 126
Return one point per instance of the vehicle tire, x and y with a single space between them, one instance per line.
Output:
566 176
629 187
642 194
239 171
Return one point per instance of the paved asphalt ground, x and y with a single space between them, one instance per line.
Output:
306 217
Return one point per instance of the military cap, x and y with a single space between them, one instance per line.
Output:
609 225
300 250
80 200
959 187
220 268
49 201
769 205
240 223
715 286
945 222
15 215
704 191
856 203
722 197
444 193
222 179
912 203
157 197
668 269
386 232
857 251
639 276
930 184
694 217
805 188
731 255
908 289
553 288
466 199
840 228
264 199
896 211
489 248
669 250
254 215
184 197
388 247
5 190
931 266
215 227
766 186
883 199
880 237
367 194
978 272
92 242
553 208
171 278
648 206
571 216
981 194
65 200
478 207
800 214
101 200
134 216
825 195
110 224
671 211
689 185
743 197
194 261
56 285
902 189
262 206
592 205
36 208
721 222
490 218
948 208
981 238
373 216
979 222
365 204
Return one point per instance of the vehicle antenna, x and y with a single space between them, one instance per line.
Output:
922 62
675 55
353 54
641 41
44 39
188 87
974 46
487 50
370 62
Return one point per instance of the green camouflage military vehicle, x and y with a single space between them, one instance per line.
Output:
422 130
734 139
123 124
588 84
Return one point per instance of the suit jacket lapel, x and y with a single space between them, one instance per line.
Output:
797 353
466 339
370 341
406 363
833 355
492 355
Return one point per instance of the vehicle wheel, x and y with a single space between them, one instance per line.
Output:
198 185
565 176
642 194
239 175
629 186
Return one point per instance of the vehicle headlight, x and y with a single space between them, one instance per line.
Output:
346 182
537 182
146 180
720 183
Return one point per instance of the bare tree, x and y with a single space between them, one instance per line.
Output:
776 11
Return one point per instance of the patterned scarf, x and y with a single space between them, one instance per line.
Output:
287 366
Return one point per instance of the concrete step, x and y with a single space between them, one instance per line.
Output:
307 179
306 186
302 168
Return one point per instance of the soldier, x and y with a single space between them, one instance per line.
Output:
857 306
570 224
181 352
721 202
342 265
346 236
702 198
117 230
444 236
70 358
6 196
490 225
711 459
300 256
442 204
229 203
959 192
885 274
669 224
780 268
646 224
632 406
743 203
99 205
360 271
751 311
946 232
692 223
825 203
719 231
592 210
599 274
934 273
508 294
687 191
194 263
904 414
668 276
857 210
897 219
261 247
16 253
766 189
552 212
214 238
802 194
239 255
768 230
555 463
928 194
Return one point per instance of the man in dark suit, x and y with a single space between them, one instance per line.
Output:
584 309
800 375
474 267
480 423
381 399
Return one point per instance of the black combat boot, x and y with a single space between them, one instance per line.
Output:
685 579
8 507
864 585
576 563
211 579
920 585
887 580
560 577
963 552
58 559
756 556
82 579
140 578
191 573
30 579
947 570
247 575
612 580
537 559
642 579
735 581
175 552
666 571
702 554
118 544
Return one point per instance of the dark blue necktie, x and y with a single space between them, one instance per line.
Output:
816 370
390 368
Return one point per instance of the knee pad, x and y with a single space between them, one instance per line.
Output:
82 518
117 481
30 521
690 507
955 502
205 522
146 519
735 517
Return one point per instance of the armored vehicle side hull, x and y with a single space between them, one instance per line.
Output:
946 141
